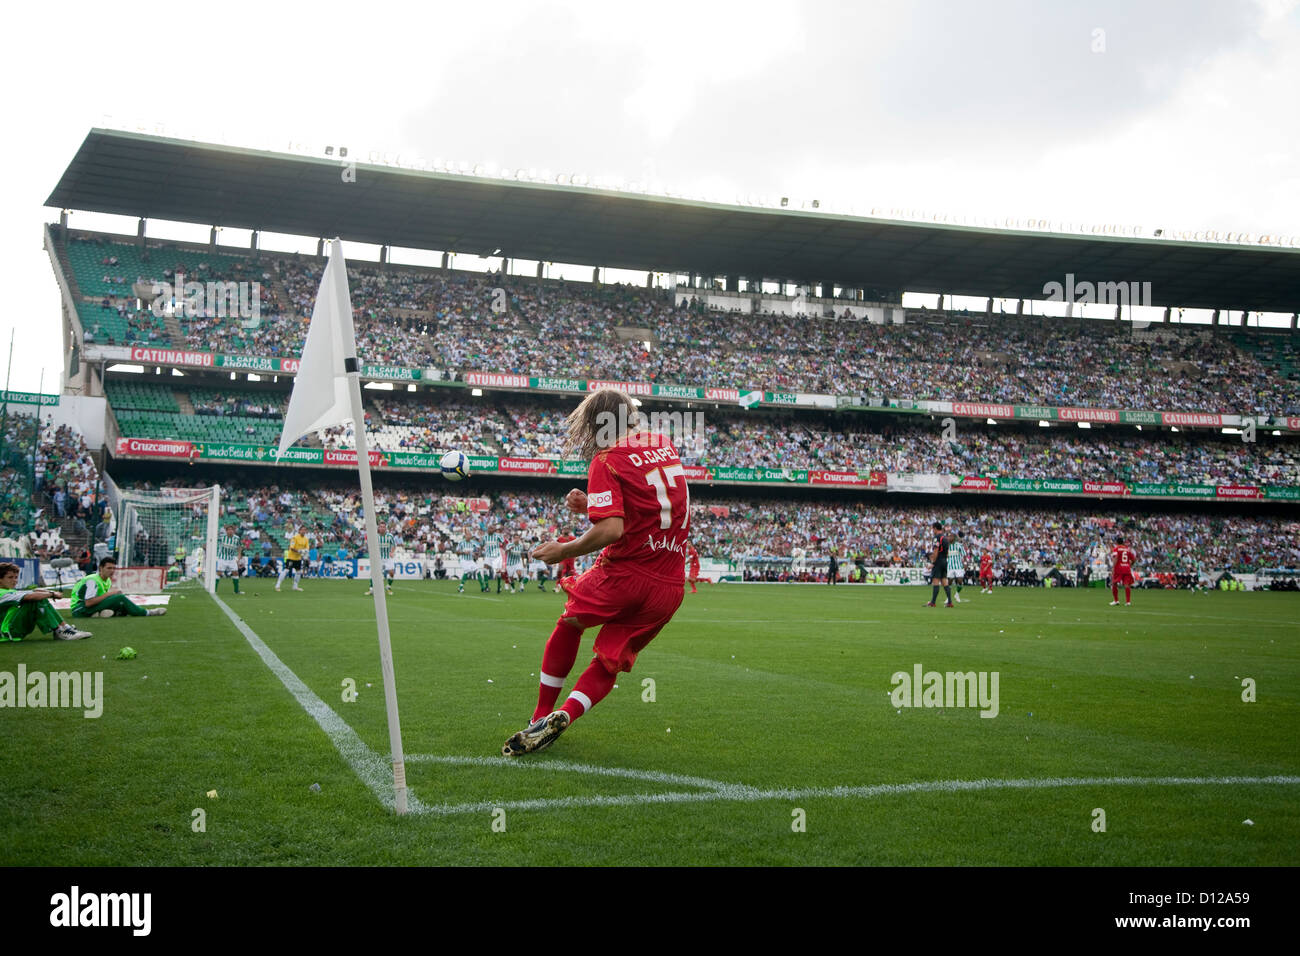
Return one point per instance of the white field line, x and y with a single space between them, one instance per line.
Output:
743 794
565 766
374 771
728 621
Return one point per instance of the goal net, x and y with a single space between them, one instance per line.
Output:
165 538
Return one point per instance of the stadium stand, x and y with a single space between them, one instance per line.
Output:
733 529
445 320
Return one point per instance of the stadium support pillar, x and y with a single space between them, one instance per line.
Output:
1294 317
827 290
733 283
63 220
988 307
595 276
446 261
1119 312
1020 306
649 280
139 232
383 255
1216 317
212 239
252 241
320 248
541 269
1069 308
1169 310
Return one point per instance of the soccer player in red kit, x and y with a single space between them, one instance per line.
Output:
568 568
639 508
693 557
1122 573
986 572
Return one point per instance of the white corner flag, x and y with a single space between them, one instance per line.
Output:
320 390
327 391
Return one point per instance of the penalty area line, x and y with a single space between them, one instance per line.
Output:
374 771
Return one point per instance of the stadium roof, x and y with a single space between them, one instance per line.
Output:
158 178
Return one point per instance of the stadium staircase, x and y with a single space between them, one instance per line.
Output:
76 540
281 294
183 400
174 334
61 253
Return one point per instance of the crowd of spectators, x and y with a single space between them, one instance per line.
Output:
459 322
43 494
995 451
736 530
898 535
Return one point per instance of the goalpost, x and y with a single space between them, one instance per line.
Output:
165 538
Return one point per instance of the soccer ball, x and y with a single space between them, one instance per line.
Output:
455 466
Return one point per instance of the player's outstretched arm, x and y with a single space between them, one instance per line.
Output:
603 532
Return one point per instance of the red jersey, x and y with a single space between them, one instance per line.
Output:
1123 557
568 565
986 563
642 481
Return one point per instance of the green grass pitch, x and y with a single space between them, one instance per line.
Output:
765 699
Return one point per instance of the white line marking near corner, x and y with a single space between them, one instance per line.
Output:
374 771
743 794
566 766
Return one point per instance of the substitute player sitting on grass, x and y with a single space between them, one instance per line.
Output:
23 611
639 508
95 596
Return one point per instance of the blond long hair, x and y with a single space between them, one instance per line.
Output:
599 421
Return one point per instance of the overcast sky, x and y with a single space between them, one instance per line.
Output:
1132 111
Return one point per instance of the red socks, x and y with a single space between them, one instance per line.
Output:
557 660
592 687
1128 595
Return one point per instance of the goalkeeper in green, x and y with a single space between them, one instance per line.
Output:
95 596
21 612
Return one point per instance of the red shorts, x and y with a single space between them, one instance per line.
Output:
631 608
986 575
568 569
1124 578
695 570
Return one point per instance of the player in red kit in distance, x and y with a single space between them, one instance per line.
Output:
1122 573
986 572
693 559
568 568
639 508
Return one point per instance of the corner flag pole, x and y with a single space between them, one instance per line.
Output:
376 565
327 391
